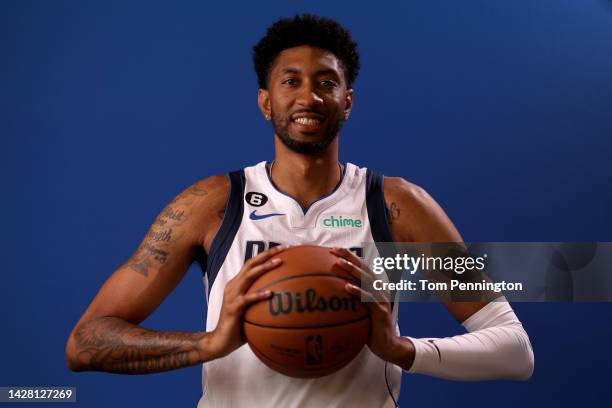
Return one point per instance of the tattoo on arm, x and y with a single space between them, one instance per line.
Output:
146 256
114 345
394 212
165 231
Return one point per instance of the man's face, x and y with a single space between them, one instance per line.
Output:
306 99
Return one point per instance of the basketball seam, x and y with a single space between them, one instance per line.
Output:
308 327
305 276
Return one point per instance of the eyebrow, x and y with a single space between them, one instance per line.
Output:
291 70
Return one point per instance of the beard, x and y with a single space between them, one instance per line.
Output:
281 129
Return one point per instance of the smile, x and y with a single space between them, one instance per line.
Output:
307 121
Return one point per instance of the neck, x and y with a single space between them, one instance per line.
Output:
306 177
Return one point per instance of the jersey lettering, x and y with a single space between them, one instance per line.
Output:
253 248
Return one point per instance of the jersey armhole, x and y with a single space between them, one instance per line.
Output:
232 218
379 224
377 209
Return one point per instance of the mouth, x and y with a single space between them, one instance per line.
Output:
308 123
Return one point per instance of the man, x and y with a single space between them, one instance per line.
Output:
306 67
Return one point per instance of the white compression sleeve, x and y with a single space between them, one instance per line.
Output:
496 347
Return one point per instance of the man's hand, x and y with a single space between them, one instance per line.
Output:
228 335
383 341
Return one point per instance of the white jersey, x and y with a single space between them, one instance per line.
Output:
257 217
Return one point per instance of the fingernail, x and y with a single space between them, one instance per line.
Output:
275 261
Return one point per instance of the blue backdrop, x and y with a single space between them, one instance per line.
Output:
501 110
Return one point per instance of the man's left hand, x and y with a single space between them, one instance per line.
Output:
383 341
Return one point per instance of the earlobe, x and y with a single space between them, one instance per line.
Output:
348 104
347 113
263 100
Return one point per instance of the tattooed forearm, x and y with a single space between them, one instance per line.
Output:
114 345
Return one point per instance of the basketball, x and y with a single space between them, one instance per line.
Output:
311 326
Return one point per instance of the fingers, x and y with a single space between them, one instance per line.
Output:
351 263
264 256
257 266
371 298
351 257
251 298
346 254
250 275
357 291
357 272
366 281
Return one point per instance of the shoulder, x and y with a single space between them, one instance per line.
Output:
210 195
414 215
201 207
205 194
399 189
213 188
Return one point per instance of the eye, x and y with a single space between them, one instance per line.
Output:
328 83
290 82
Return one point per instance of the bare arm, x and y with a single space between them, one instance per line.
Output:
496 347
107 337
416 217
115 345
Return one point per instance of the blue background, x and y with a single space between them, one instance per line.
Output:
501 110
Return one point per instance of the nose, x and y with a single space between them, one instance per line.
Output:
308 96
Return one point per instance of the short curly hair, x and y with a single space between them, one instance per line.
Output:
306 29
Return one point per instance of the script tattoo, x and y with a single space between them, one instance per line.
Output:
394 212
114 345
165 231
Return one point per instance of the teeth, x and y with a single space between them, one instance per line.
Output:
307 121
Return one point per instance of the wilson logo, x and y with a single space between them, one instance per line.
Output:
284 303
341 222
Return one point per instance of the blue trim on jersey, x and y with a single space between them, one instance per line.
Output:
229 226
381 232
377 210
304 210
379 222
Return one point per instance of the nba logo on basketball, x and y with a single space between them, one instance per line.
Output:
314 350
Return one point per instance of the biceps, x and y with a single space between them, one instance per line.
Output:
138 287
132 294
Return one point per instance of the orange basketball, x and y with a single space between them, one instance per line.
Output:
311 326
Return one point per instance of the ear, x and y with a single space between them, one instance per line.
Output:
348 103
263 100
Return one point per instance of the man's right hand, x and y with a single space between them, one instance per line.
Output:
228 334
